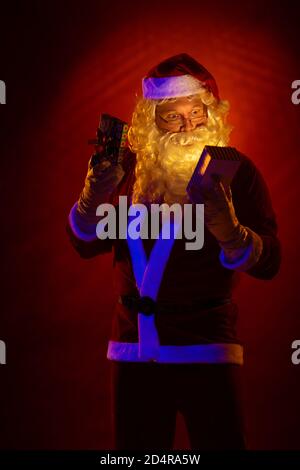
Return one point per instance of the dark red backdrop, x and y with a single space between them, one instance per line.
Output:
63 64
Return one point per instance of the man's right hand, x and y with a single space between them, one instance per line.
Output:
101 180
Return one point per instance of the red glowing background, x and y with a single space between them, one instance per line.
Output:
64 64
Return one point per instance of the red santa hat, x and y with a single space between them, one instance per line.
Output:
179 75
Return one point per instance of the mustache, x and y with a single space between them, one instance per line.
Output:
185 138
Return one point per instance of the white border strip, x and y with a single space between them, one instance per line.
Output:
217 353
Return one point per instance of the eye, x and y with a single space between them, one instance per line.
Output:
172 116
197 112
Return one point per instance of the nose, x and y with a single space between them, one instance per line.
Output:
187 125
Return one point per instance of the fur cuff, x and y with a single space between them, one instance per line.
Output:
243 259
81 229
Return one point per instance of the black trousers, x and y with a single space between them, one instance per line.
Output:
147 396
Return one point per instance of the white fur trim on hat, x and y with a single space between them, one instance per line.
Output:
170 87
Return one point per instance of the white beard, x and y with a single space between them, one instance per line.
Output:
178 154
166 163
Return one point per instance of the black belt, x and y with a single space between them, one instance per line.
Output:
148 306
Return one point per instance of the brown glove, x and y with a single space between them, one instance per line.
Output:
221 220
220 217
101 180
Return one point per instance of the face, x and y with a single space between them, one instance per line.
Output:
182 115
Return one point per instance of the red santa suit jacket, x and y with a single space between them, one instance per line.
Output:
195 316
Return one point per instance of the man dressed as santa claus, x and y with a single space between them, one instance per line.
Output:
173 345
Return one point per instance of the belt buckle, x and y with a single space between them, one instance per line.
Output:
146 305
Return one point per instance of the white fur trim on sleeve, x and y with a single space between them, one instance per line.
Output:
249 257
80 228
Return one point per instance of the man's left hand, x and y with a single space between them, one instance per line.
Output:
219 213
